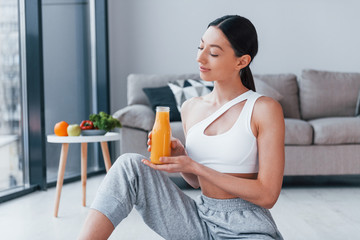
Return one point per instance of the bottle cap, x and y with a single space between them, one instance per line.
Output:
162 109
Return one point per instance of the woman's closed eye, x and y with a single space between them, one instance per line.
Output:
211 54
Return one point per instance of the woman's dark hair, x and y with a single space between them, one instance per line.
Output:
242 36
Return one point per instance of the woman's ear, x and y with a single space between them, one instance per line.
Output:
243 61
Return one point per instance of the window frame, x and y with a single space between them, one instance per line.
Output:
31 71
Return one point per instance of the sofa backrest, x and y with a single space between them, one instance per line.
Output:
136 83
328 94
287 86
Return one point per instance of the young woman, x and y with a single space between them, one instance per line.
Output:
234 152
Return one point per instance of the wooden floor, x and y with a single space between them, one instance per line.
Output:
302 212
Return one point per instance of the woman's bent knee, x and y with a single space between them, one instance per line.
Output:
129 161
129 164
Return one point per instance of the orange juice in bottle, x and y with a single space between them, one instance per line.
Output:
161 134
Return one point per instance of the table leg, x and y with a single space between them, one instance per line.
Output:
106 155
60 178
83 171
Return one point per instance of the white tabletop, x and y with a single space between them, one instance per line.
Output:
109 136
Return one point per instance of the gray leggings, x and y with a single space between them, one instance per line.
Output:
171 213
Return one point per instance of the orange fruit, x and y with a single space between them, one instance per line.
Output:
60 128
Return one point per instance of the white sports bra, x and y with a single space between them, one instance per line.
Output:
234 151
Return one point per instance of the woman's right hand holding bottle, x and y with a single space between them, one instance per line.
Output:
177 148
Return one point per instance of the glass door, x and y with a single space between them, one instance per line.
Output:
11 137
67 80
75 75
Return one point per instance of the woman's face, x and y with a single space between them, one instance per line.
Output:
216 57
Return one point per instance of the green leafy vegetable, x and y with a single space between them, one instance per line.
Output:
104 121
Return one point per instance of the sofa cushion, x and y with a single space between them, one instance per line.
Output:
298 132
265 89
336 130
136 116
184 89
163 96
287 86
328 94
136 82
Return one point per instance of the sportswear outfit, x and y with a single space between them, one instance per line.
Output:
170 212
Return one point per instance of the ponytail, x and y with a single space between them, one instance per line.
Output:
247 78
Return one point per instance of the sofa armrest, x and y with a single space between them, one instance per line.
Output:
136 116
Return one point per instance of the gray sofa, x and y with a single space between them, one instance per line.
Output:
321 109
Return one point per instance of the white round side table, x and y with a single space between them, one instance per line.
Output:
65 141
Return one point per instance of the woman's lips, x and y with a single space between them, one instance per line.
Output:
203 69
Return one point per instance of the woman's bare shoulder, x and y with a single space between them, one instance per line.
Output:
192 110
268 103
267 109
191 103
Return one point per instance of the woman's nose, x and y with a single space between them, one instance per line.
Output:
200 57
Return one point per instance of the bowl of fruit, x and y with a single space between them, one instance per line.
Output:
98 124
87 129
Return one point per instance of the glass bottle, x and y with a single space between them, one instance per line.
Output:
161 134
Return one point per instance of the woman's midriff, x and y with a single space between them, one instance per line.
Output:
212 191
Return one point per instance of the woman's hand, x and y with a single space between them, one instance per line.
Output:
178 162
177 148
183 164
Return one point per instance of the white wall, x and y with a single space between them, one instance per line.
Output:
162 36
